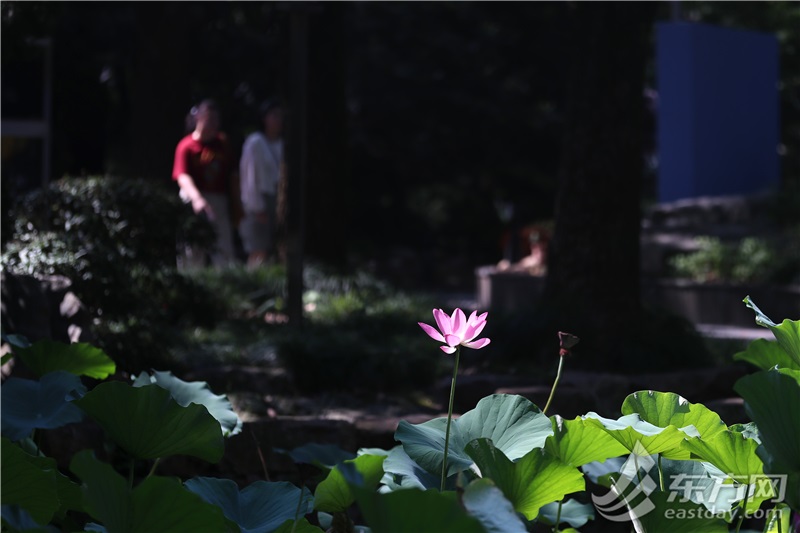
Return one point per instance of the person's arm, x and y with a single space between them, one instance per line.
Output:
180 173
199 203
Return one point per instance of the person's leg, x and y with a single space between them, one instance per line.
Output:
223 255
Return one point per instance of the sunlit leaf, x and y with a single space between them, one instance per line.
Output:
78 358
664 409
536 479
635 434
766 354
577 442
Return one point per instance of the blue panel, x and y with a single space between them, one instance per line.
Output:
718 111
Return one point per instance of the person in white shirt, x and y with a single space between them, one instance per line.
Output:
261 169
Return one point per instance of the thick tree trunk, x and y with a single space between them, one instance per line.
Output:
327 209
593 274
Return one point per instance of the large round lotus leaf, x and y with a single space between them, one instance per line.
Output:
664 409
577 442
642 437
43 404
514 424
766 354
198 392
260 507
533 481
78 358
156 504
27 485
147 423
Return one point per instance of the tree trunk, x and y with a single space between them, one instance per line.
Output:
593 273
327 211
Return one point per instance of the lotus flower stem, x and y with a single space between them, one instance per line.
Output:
555 384
449 418
155 464
558 516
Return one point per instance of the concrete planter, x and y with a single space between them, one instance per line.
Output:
701 303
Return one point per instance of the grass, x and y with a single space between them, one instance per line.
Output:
359 333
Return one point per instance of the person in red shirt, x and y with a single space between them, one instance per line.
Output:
203 168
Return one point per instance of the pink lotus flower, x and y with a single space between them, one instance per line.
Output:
457 330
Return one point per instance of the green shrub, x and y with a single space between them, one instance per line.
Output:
116 240
752 259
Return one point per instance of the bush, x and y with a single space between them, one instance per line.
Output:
116 240
752 259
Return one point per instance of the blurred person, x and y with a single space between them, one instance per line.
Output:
261 171
204 170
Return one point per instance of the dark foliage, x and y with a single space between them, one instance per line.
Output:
115 239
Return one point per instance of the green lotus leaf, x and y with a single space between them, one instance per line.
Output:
197 392
536 479
77 358
731 452
514 424
772 401
402 472
261 507
748 431
69 493
413 511
664 409
787 333
43 404
643 438
702 483
577 442
157 504
572 512
334 495
766 354
778 519
27 485
483 500
147 423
